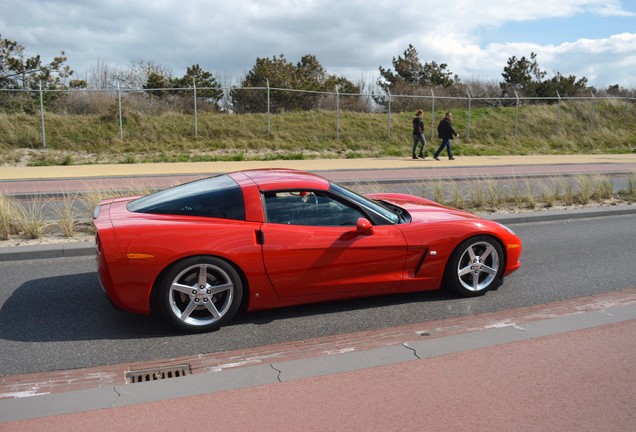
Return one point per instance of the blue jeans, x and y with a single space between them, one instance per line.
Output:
445 144
419 138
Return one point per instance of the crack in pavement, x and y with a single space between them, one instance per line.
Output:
277 370
405 345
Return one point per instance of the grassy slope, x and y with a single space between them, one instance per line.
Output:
305 135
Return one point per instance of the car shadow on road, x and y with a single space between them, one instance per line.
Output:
74 308
340 306
70 308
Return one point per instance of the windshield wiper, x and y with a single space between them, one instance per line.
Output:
403 215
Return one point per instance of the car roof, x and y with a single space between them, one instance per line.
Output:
282 179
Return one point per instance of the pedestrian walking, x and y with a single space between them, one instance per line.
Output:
418 134
446 132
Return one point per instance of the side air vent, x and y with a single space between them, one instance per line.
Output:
146 375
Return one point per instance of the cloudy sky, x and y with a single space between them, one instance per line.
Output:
475 38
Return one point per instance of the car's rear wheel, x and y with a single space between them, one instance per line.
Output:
475 266
200 293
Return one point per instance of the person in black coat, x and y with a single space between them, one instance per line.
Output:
446 132
418 134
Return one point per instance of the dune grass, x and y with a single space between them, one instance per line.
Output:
170 137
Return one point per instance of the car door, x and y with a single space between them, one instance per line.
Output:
312 246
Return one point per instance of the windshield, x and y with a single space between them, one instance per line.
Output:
374 206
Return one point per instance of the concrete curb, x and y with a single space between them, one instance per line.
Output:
58 250
554 215
75 249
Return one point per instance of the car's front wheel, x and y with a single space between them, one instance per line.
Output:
199 294
475 266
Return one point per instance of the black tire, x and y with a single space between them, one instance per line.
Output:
199 294
475 266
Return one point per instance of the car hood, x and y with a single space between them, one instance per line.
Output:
422 209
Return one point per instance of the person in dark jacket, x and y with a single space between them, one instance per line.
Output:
418 134
446 132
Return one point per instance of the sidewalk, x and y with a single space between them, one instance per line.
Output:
562 366
196 168
69 179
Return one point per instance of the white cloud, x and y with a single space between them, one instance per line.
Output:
348 37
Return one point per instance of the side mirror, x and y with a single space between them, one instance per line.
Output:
363 226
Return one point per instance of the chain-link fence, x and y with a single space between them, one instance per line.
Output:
273 103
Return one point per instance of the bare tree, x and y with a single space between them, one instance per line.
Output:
136 77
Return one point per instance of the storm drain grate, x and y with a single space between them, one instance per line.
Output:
156 374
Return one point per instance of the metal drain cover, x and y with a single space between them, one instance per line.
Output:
145 375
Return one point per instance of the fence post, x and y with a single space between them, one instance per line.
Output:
469 107
337 113
389 119
42 116
592 119
269 125
196 126
121 122
517 114
432 115
558 113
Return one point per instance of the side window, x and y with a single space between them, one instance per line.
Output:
308 208
217 197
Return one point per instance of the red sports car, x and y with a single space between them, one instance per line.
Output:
267 238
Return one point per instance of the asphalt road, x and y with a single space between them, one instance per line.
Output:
53 315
